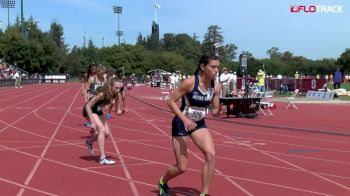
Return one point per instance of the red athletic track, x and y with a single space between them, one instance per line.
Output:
42 150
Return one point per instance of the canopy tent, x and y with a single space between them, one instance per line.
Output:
158 71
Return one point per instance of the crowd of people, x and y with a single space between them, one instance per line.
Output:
7 71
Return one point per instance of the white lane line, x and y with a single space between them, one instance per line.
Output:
37 164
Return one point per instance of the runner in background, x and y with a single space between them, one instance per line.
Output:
90 73
93 110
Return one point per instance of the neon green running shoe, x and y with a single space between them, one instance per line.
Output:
163 188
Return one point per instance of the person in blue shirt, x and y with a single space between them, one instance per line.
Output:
338 76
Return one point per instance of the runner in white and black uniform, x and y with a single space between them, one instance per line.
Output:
198 92
90 72
94 81
85 86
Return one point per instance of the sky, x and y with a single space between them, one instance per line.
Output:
252 25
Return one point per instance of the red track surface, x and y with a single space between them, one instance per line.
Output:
42 150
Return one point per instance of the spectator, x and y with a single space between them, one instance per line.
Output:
260 77
337 78
279 76
224 80
17 78
296 75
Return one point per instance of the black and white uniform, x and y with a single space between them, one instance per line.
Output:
97 108
195 106
93 87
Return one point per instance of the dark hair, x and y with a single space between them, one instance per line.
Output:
88 72
204 60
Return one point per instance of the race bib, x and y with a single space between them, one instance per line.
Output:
196 113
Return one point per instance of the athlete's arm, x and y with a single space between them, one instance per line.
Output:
117 103
185 87
86 87
83 89
216 100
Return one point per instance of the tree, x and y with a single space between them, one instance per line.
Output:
228 52
91 52
56 34
213 36
273 52
287 56
169 42
344 60
141 40
172 61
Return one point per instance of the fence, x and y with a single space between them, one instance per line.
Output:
291 84
11 82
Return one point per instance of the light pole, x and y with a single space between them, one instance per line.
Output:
8 4
22 18
118 10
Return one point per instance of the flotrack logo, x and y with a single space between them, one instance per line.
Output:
332 9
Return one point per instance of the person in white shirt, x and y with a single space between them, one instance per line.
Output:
17 78
172 81
224 80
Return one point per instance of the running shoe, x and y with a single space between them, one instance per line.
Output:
204 194
108 116
163 188
89 146
88 124
105 161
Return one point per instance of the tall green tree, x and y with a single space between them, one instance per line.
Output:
56 34
141 40
169 42
344 60
273 52
59 54
214 43
212 37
